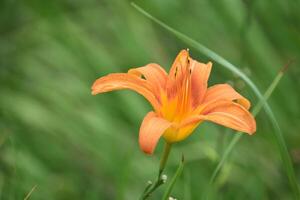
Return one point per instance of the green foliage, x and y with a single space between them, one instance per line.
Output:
54 134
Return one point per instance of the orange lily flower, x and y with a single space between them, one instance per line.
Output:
181 100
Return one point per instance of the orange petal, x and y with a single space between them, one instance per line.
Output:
153 73
226 113
151 130
230 114
225 92
177 72
181 61
199 78
119 81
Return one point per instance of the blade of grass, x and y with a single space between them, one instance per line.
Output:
187 191
174 179
30 192
287 163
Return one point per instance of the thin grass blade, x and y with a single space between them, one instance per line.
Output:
30 192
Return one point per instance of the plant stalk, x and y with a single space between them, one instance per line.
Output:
163 160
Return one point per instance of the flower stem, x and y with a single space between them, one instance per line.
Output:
163 160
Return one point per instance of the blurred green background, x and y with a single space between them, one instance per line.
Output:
54 134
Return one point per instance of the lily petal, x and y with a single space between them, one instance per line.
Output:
230 114
180 64
153 73
151 130
177 73
199 78
226 113
226 92
119 81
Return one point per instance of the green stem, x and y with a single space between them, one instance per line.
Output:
163 160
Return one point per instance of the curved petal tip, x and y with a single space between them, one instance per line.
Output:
151 130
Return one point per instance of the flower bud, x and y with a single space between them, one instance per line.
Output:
164 178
